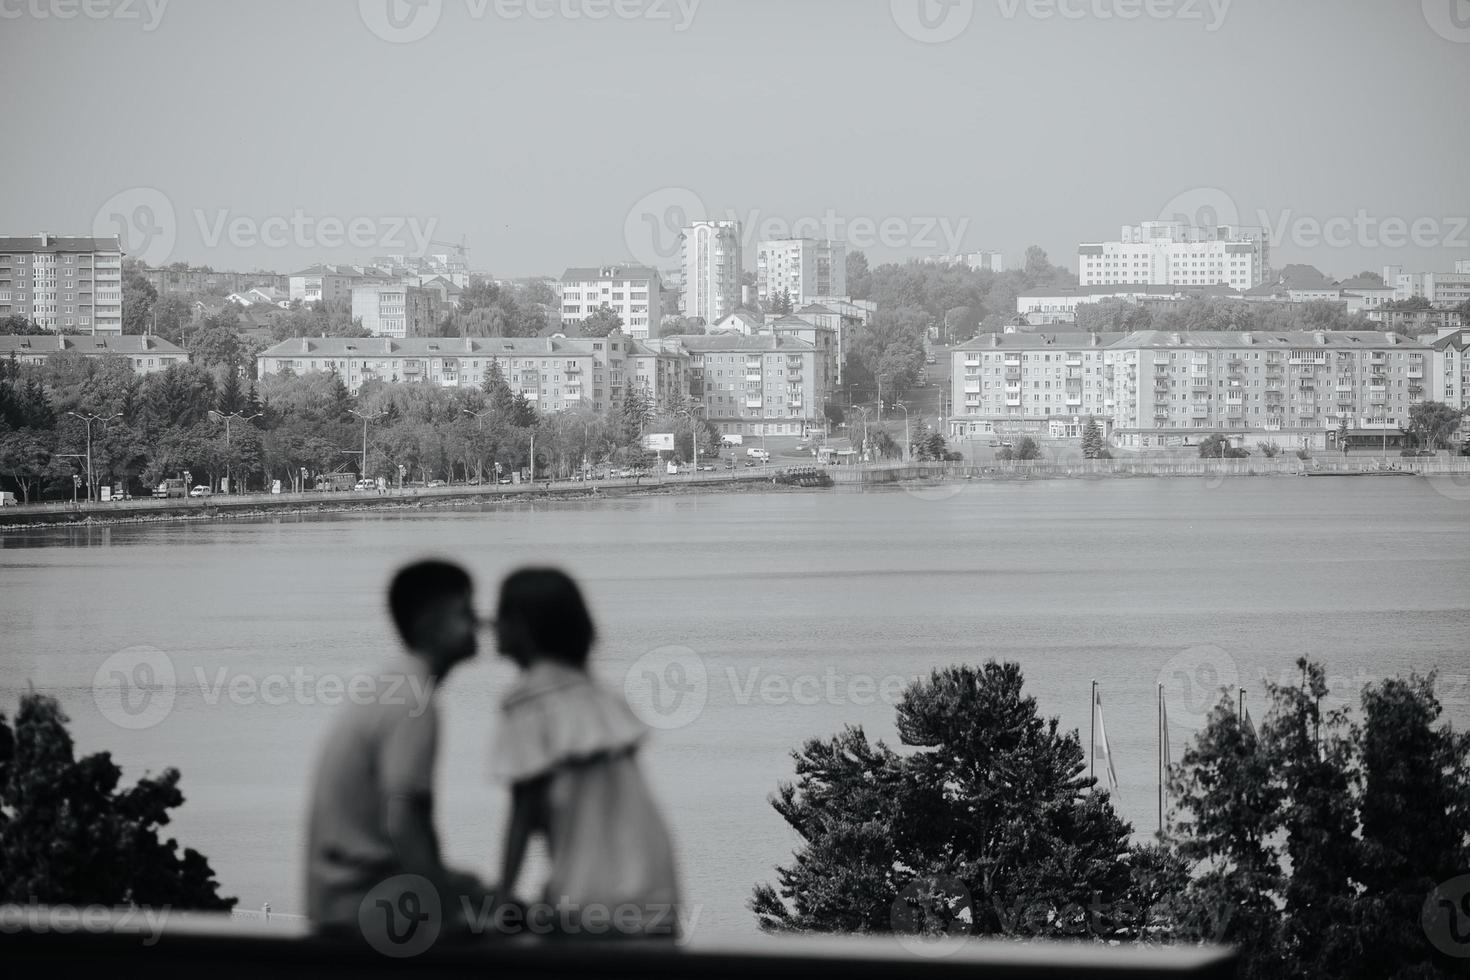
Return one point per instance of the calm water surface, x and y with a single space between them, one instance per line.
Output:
1130 582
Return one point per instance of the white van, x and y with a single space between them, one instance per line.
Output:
759 454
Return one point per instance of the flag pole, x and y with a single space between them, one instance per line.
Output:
1092 733
1163 734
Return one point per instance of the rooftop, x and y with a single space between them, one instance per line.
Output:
431 346
702 343
87 344
609 272
1347 339
58 243
1040 340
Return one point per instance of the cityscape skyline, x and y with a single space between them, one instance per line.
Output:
287 185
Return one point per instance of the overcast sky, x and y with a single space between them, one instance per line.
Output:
549 141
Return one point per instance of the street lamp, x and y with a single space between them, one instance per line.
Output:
365 419
89 418
480 423
906 454
863 411
694 436
221 416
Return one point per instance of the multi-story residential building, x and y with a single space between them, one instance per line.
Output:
762 385
1013 383
1295 388
711 260
63 284
145 354
661 369
841 319
633 292
990 260
741 321
330 283
216 283
800 268
1452 368
1173 253
858 310
395 310
1441 289
1058 304
1415 322
554 373
824 333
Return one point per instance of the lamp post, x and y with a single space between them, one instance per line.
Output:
480 423
694 437
89 418
863 411
906 453
221 416
362 475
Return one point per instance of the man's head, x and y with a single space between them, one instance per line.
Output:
430 602
542 614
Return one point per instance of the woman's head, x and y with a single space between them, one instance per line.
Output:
542 614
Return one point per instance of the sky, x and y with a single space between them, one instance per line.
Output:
554 133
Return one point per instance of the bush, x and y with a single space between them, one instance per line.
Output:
1303 454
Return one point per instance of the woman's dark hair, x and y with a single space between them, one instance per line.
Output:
543 608
417 585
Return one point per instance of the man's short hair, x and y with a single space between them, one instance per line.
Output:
549 605
419 584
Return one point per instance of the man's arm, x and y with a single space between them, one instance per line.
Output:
406 773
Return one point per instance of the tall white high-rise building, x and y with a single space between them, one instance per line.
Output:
1173 253
711 253
801 268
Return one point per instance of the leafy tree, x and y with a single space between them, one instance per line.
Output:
992 826
1434 425
1269 449
16 325
26 457
781 303
1027 449
1218 446
635 415
69 835
138 297
601 322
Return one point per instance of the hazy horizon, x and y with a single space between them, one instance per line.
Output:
554 141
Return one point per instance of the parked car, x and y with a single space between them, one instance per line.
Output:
362 486
437 483
200 491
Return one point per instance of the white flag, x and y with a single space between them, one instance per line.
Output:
1101 751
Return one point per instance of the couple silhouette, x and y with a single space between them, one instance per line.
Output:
565 746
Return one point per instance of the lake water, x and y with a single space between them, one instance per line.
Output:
802 609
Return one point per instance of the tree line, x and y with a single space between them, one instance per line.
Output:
209 421
1328 844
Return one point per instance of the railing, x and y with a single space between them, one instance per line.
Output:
41 942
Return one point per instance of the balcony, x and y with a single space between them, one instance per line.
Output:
1073 401
1013 375
1013 400
1074 360
1198 410
972 387
756 402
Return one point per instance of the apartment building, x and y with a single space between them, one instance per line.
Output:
633 292
1452 368
1296 388
1014 383
145 354
800 268
762 385
1442 289
210 281
63 284
554 373
661 369
1173 253
395 310
711 261
330 283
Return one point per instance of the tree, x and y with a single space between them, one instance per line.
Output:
16 325
26 457
1218 446
68 835
992 826
635 415
781 303
1414 809
1434 425
138 297
1027 449
859 283
1226 807
1269 449
600 322
1093 446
